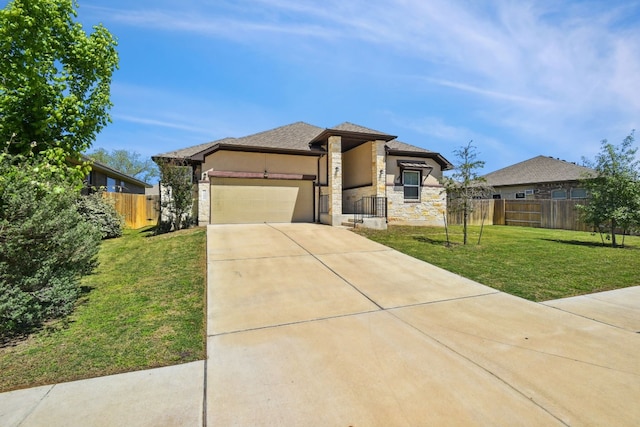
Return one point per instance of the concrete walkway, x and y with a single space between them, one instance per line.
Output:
313 325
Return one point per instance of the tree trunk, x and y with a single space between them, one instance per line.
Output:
464 226
613 234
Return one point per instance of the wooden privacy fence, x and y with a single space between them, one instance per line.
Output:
558 214
482 209
138 210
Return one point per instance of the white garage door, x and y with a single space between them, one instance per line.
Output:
246 201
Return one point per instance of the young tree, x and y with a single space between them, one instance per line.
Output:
127 162
176 184
54 78
614 193
465 185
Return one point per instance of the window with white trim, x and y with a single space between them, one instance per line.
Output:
411 184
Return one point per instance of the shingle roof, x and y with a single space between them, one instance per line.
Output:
537 170
403 146
190 151
351 127
295 136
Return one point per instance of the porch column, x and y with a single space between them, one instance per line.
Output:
379 168
204 202
334 154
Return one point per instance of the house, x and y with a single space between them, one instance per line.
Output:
112 180
541 177
304 173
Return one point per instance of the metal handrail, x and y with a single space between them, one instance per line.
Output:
369 207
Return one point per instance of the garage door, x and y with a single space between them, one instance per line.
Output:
246 201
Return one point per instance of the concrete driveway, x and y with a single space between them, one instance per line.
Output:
310 325
313 325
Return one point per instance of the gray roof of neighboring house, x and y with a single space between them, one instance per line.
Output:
114 173
294 137
539 169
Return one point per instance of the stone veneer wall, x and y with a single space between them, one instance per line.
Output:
349 197
429 211
204 202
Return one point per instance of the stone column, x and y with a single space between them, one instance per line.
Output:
379 168
334 154
204 203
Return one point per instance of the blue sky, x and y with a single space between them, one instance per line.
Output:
519 78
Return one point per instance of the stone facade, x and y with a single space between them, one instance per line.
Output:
541 191
349 197
335 179
379 168
428 211
204 202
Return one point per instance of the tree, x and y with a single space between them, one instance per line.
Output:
614 191
102 213
176 193
54 78
45 244
127 162
465 185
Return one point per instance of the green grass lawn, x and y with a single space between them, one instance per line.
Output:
533 263
144 307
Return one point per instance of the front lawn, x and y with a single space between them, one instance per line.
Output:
533 263
144 307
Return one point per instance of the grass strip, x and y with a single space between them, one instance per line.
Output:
144 307
533 263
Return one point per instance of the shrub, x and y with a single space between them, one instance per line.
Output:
46 246
101 213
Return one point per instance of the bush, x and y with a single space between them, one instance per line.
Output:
46 246
101 213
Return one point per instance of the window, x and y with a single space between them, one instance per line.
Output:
497 196
559 194
111 184
411 182
520 195
578 193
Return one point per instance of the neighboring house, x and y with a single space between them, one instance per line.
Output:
539 178
304 173
103 176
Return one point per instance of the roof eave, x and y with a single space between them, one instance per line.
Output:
365 136
445 164
101 167
261 149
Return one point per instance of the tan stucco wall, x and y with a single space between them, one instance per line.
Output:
357 166
393 170
237 161
323 178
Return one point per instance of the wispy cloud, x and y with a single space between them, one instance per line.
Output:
548 71
161 123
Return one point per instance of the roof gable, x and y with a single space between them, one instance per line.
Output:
537 170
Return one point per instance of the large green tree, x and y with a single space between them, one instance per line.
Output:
54 78
614 192
128 162
465 184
